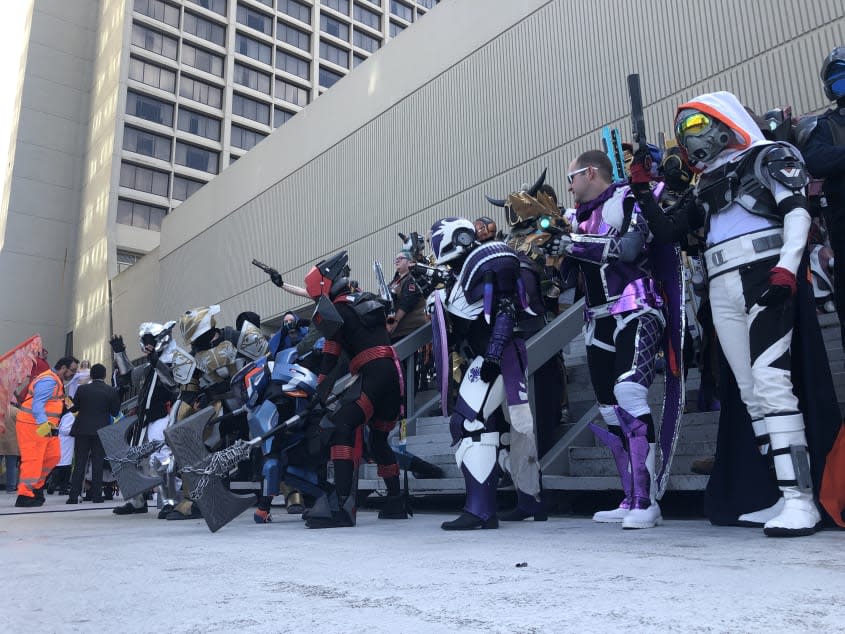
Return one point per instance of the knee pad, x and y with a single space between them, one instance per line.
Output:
479 456
632 397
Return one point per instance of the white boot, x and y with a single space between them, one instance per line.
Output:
613 516
756 519
798 518
644 517
792 466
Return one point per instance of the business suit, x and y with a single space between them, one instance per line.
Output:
95 404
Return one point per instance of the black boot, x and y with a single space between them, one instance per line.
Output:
425 470
24 501
395 508
331 512
526 506
468 522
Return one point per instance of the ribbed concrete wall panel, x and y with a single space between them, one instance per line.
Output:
534 95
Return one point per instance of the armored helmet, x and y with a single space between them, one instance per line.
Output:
833 74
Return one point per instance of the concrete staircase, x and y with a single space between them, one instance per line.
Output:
576 463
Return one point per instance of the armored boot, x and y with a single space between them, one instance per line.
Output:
395 508
644 512
526 506
337 508
800 515
481 474
262 513
623 466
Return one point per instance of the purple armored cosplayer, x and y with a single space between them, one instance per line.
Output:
632 289
480 298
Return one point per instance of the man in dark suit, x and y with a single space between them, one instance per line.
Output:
95 404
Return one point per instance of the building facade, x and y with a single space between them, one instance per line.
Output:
130 106
476 99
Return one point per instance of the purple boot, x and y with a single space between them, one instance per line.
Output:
645 512
623 466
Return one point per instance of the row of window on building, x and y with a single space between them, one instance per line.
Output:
169 13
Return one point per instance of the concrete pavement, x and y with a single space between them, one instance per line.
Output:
86 570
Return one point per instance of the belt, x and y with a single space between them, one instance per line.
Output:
370 354
732 254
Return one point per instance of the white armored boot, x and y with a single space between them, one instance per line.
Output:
800 515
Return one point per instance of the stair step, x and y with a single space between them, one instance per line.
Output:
681 465
611 483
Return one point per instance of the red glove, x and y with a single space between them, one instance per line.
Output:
641 169
779 276
782 286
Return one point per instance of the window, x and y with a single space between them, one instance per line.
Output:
292 64
428 4
252 48
158 10
125 259
269 3
280 116
293 36
218 6
251 109
395 29
251 78
140 215
154 41
357 59
245 139
149 108
365 16
196 123
184 187
202 59
233 158
200 91
147 143
334 54
144 179
296 10
328 78
338 5
368 43
206 29
291 92
196 157
255 20
334 27
401 10
152 75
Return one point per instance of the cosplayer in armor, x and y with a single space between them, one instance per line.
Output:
533 217
218 358
480 303
624 328
354 323
157 382
750 200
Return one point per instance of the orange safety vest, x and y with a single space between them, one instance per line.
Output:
54 405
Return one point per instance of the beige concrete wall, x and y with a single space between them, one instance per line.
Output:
41 211
478 98
94 259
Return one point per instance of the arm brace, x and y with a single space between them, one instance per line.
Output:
502 334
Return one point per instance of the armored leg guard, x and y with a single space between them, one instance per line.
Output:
800 515
477 459
337 508
623 466
644 512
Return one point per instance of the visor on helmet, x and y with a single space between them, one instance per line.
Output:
692 125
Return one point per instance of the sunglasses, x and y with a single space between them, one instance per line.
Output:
399 259
571 175
692 125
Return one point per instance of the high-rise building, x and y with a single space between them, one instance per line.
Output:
127 107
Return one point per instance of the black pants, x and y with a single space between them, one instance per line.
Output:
84 447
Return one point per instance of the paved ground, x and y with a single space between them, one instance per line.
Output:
87 570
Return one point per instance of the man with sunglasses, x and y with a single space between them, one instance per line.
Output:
624 327
824 151
750 201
